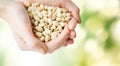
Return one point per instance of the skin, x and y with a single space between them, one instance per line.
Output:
17 17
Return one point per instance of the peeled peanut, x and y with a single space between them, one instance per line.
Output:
47 38
39 29
38 34
47 21
42 38
35 23
36 17
27 4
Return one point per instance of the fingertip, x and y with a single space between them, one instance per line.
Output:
75 13
70 41
78 16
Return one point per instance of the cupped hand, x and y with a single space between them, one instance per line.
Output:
17 17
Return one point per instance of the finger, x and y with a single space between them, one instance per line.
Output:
74 10
65 33
70 41
72 24
72 34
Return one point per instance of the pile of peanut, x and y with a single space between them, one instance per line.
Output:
47 21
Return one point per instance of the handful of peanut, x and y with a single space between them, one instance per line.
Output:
47 21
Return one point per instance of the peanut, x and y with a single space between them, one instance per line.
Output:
47 21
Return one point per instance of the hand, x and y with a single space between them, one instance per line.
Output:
18 19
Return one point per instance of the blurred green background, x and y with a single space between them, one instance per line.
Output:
97 42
